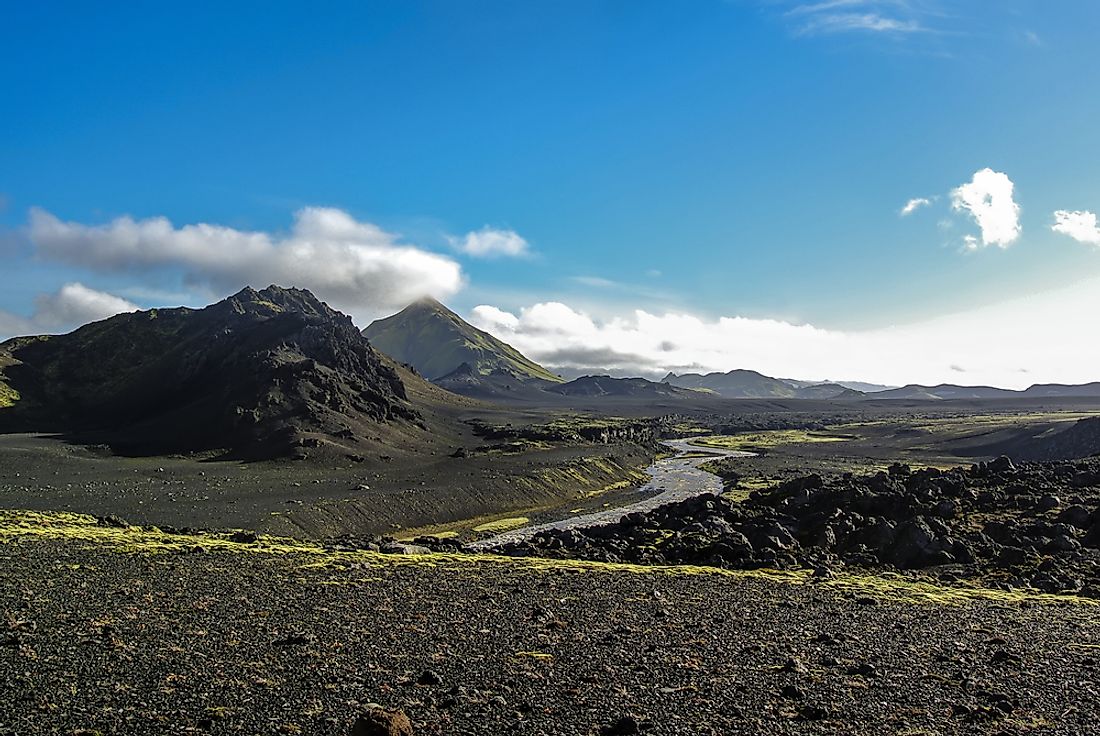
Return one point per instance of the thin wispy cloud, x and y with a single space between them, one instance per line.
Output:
597 282
891 17
913 205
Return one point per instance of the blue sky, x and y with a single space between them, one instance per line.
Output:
724 158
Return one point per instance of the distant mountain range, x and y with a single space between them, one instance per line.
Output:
745 384
949 391
459 357
259 374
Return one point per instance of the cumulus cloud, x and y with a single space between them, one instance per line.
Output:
988 199
74 304
490 242
914 204
356 266
1080 225
1002 344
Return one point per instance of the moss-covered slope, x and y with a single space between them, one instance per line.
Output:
436 342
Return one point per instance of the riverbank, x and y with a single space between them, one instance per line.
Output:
671 479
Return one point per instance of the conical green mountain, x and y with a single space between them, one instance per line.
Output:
436 342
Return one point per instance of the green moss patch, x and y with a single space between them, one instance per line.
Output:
750 441
8 396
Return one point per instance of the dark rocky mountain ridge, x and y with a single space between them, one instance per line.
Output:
259 374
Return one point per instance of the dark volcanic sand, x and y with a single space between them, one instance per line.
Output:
222 642
301 499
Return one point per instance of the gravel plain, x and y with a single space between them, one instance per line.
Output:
124 631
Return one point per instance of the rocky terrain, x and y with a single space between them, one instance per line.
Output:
1033 526
111 630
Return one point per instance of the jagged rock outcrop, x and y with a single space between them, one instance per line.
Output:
1034 525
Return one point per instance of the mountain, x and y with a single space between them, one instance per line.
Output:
948 391
861 386
736 384
745 384
260 374
437 342
635 388
1054 390
828 391
945 391
496 385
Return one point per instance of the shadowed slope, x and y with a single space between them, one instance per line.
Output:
251 375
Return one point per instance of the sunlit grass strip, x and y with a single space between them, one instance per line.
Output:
769 438
29 526
502 525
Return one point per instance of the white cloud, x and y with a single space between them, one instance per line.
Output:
597 282
1009 344
987 197
846 16
490 242
914 204
871 22
1081 226
355 266
492 319
74 304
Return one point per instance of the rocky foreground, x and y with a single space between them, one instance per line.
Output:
118 630
1036 525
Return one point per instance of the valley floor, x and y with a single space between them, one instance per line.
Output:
314 499
125 631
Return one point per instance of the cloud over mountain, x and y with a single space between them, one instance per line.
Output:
356 265
72 305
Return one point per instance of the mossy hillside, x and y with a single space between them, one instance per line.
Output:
436 341
8 395
28 528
